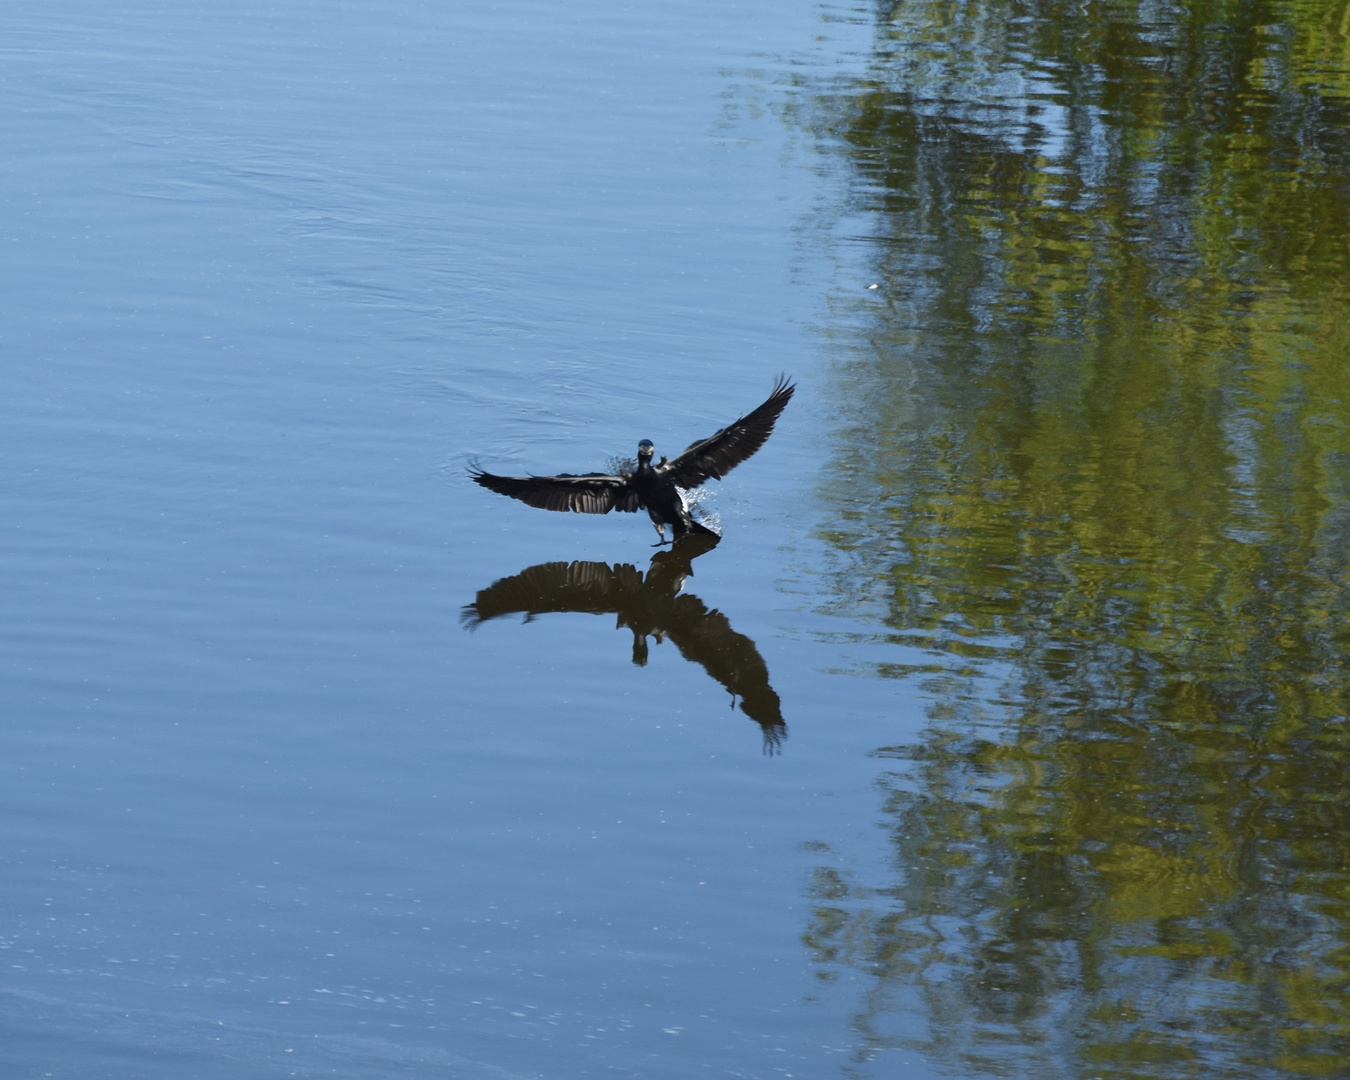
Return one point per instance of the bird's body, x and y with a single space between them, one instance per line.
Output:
661 497
654 488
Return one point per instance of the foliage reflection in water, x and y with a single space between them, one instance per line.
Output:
1097 467
650 606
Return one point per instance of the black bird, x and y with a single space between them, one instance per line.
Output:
653 606
654 488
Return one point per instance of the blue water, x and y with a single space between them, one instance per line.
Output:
274 275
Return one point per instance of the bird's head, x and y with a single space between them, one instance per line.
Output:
645 450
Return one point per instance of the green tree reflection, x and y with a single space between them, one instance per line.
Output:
1095 478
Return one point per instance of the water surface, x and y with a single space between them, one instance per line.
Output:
1092 461
1002 734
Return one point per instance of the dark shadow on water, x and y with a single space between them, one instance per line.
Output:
650 606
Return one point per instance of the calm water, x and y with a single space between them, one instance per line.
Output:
1003 734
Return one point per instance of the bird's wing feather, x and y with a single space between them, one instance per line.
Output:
718 454
591 493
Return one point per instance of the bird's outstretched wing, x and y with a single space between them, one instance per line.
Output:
590 493
706 637
718 454
593 587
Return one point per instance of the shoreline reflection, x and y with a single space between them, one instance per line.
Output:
1091 485
650 605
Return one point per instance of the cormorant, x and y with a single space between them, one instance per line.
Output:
654 488
653 606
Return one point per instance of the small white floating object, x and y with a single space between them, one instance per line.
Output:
874 286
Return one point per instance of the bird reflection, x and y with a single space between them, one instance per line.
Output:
650 606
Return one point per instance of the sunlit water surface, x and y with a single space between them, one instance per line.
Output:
274 275
1002 734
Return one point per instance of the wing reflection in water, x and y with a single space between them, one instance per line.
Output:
651 607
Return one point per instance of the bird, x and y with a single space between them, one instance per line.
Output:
644 486
654 605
